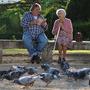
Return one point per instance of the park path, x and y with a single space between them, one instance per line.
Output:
63 84
76 61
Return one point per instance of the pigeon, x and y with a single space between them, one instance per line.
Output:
26 80
64 65
55 72
17 68
31 70
79 74
3 73
13 69
13 75
47 78
45 67
51 70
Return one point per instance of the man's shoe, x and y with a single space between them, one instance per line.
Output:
38 59
33 59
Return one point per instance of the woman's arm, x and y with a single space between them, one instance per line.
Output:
55 28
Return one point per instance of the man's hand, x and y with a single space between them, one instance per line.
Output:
40 20
44 23
34 22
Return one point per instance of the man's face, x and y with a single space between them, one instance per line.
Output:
36 11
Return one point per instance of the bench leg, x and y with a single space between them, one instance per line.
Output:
1 55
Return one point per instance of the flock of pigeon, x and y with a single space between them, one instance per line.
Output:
17 74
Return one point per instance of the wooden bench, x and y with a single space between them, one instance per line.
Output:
7 44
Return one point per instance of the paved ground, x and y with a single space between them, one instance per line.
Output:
63 84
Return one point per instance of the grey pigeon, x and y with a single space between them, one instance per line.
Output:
13 70
55 72
51 70
4 72
13 75
79 74
26 80
17 68
45 66
64 65
47 78
31 70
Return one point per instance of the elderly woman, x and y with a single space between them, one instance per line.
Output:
63 27
34 25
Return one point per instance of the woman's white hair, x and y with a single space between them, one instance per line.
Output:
58 10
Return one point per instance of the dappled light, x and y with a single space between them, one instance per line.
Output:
8 1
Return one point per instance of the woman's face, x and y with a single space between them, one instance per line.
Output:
61 15
36 11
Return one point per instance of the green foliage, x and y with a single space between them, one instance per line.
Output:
79 10
51 17
10 17
10 24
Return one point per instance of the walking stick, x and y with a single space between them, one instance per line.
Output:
56 39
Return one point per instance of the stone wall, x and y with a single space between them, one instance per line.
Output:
84 45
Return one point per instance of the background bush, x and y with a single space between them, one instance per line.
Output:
77 11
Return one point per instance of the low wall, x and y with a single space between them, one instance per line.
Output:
84 45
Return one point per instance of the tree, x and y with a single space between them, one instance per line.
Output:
79 10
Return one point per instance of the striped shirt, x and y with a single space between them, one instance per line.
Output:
34 30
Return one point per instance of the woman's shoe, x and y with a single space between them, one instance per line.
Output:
63 59
59 60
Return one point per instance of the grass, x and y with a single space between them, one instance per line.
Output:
79 51
15 51
24 51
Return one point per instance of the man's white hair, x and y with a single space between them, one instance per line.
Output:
58 10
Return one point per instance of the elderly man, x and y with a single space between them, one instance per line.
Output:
34 26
